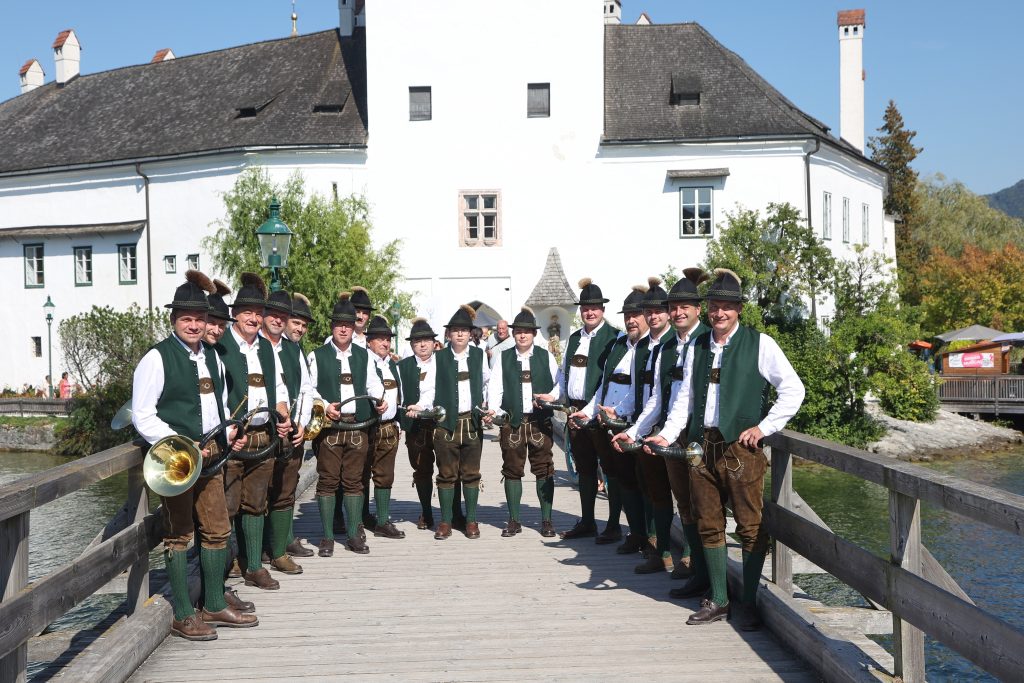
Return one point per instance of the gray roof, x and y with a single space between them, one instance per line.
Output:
195 104
552 289
642 66
40 231
972 333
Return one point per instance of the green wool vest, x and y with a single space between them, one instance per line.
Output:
446 385
291 371
669 360
618 349
600 347
409 381
237 370
742 391
328 376
512 385
640 358
178 404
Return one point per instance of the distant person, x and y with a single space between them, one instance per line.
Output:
48 391
64 388
499 342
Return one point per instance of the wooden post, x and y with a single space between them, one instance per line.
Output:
138 574
782 495
905 551
14 577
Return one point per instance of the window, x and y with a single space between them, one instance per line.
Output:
37 347
419 103
538 100
192 261
826 216
695 212
83 266
127 264
479 213
685 90
170 264
846 219
334 191
865 227
34 265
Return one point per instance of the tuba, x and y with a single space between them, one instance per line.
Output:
172 465
317 420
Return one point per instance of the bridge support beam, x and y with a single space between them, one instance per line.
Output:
905 551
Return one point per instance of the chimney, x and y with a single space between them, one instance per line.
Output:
163 55
851 77
66 54
612 11
31 75
347 17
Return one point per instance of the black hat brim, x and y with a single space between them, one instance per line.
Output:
242 303
684 298
726 296
414 337
188 306
220 316
280 309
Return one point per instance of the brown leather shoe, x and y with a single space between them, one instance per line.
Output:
444 530
236 571
631 545
388 530
362 533
609 535
285 565
709 613
425 523
472 530
358 546
652 565
691 589
512 528
459 522
265 557
547 529
262 579
326 547
369 523
193 628
296 549
229 617
236 603
746 617
682 570
581 530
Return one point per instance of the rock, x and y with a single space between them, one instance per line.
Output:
949 433
27 438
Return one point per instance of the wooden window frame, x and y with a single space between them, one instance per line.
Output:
865 224
846 220
697 203
466 215
826 216
39 264
74 252
135 257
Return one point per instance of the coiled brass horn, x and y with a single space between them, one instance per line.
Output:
172 465
317 419
435 414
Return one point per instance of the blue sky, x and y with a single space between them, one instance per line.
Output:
954 68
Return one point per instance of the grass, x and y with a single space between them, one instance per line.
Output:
16 421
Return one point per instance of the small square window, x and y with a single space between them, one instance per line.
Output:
538 100
127 264
695 212
83 266
34 276
419 103
170 264
192 261
37 347
480 219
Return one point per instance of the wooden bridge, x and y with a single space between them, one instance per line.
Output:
517 609
990 395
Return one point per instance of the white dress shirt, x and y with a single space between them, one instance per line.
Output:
627 406
374 387
616 392
576 380
772 365
358 339
303 408
258 395
383 365
496 350
496 386
462 365
428 371
648 418
148 385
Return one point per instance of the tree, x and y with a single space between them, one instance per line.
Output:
331 250
951 217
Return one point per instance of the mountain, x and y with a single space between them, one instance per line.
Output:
1009 200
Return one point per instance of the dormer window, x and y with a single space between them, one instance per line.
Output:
685 90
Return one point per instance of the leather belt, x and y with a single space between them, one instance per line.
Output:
390 384
256 380
619 378
525 376
678 372
716 375
577 404
578 361
463 376
346 418
205 385
345 378
647 377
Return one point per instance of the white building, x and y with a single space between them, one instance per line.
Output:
483 135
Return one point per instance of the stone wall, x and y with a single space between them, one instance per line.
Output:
27 438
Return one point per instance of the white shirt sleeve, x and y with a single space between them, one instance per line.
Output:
374 386
147 385
496 388
776 368
313 377
487 374
280 388
305 394
652 408
427 385
679 410
556 374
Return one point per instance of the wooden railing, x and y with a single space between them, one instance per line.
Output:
920 596
35 406
984 394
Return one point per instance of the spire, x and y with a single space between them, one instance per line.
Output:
553 288
295 21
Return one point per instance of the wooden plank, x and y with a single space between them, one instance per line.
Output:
905 552
13 577
782 495
854 619
985 504
986 640
138 573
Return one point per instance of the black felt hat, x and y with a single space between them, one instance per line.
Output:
279 301
344 311
300 307
253 292
218 308
656 294
525 319
378 325
685 289
590 293
361 299
463 317
421 330
727 286
191 296
634 302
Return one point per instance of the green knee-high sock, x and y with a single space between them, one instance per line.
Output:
513 496
339 515
715 558
614 489
353 507
382 499
291 527
753 563
588 495
649 527
280 531
663 529
177 572
633 506
472 494
211 562
457 501
366 506
423 491
253 525
326 506
446 497
698 563
546 495
240 539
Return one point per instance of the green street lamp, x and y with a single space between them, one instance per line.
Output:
395 311
48 308
275 239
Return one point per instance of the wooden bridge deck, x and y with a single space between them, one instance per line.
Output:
493 609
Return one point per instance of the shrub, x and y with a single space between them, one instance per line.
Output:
906 390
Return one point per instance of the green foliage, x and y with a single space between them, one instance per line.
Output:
87 429
17 421
906 390
670 277
952 217
104 345
958 344
331 250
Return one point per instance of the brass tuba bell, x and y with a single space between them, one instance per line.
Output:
172 465
317 420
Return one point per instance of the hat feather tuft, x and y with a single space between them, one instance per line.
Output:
221 289
344 296
301 297
640 289
653 281
528 311
418 320
696 275
719 272
469 311
585 282
254 280
200 280
357 288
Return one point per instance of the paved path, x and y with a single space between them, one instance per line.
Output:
493 609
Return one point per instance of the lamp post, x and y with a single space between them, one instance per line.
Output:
275 240
48 307
395 311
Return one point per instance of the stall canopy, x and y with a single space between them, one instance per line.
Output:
1012 337
972 333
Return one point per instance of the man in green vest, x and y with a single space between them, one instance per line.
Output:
585 355
417 376
364 309
522 376
722 404
253 375
340 371
462 373
298 323
384 445
219 317
285 479
178 388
